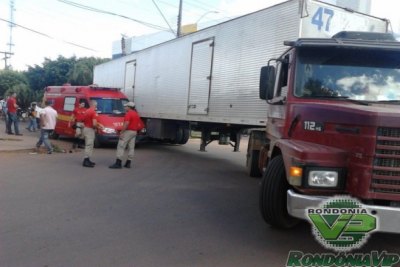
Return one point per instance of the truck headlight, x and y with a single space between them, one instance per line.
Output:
323 178
109 130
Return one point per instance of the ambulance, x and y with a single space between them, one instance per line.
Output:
110 108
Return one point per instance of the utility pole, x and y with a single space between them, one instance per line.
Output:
7 55
178 30
10 44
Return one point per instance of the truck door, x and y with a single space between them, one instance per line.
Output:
129 84
200 76
277 107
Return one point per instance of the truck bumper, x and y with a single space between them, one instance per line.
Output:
388 217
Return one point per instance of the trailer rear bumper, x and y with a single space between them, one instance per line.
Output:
388 217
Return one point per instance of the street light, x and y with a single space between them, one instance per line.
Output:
188 28
208 12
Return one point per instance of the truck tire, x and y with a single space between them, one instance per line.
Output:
185 136
252 163
273 195
182 136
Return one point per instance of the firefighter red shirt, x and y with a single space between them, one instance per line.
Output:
90 115
79 114
134 121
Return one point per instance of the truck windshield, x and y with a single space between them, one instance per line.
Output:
110 105
369 75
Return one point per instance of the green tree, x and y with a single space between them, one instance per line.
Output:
62 70
36 78
57 72
82 72
9 79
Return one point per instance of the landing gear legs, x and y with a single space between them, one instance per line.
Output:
205 140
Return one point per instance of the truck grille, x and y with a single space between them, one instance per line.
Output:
386 169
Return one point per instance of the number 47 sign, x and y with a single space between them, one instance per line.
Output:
322 17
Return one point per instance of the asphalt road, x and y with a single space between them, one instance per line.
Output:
176 207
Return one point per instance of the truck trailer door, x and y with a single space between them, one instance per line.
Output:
129 84
200 76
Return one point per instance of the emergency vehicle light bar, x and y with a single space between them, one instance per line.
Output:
96 87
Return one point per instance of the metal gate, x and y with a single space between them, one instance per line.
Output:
129 84
200 76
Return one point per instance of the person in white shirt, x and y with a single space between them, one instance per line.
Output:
48 120
39 111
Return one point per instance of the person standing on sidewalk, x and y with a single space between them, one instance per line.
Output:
32 127
48 120
89 132
12 107
132 125
2 104
5 113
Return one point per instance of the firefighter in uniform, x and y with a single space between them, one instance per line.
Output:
132 125
89 132
78 115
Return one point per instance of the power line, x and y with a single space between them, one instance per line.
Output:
176 7
205 6
48 36
150 25
166 21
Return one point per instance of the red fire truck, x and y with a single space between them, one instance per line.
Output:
110 107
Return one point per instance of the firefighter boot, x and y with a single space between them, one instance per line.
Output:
127 164
116 165
86 163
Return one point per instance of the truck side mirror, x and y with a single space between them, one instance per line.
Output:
267 80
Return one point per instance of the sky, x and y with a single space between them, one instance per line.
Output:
49 28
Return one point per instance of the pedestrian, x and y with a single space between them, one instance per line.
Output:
5 113
76 122
32 112
39 110
2 101
48 120
132 125
12 107
89 132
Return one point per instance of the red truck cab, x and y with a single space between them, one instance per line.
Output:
110 108
333 128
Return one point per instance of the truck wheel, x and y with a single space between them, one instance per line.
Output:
185 136
273 195
252 158
182 136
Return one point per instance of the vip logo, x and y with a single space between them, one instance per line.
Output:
342 224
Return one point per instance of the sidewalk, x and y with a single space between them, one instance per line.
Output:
26 142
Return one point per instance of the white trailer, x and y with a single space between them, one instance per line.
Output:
208 80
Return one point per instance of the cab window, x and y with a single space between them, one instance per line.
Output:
110 105
69 103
